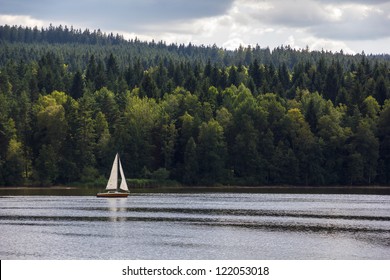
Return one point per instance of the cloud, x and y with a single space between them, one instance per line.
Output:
326 44
116 14
233 43
319 24
21 20
329 25
357 22
371 2
284 13
351 20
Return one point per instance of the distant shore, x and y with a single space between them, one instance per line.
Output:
74 190
38 188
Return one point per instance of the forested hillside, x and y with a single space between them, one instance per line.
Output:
70 99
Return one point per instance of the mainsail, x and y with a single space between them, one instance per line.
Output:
113 180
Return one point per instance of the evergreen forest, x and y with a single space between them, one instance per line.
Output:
199 115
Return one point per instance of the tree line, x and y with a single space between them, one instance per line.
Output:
76 46
201 115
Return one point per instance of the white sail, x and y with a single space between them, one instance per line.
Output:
113 180
123 185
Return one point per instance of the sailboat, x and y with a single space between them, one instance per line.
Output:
112 184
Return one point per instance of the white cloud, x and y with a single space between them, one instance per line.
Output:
335 14
233 43
329 45
291 42
21 20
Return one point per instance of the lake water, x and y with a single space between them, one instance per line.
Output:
196 226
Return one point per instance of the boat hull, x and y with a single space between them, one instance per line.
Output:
113 194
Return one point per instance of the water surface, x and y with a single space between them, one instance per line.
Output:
196 226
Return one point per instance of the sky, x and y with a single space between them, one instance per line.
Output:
349 25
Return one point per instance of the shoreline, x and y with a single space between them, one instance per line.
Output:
74 190
39 188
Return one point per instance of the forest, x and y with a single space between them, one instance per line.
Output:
198 115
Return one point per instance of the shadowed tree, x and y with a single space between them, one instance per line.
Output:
211 152
191 168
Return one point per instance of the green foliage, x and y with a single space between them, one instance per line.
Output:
160 174
191 167
198 115
211 152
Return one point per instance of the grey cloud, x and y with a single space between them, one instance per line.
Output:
296 14
355 21
302 13
373 26
365 2
116 14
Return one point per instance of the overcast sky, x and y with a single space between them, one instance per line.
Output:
351 25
